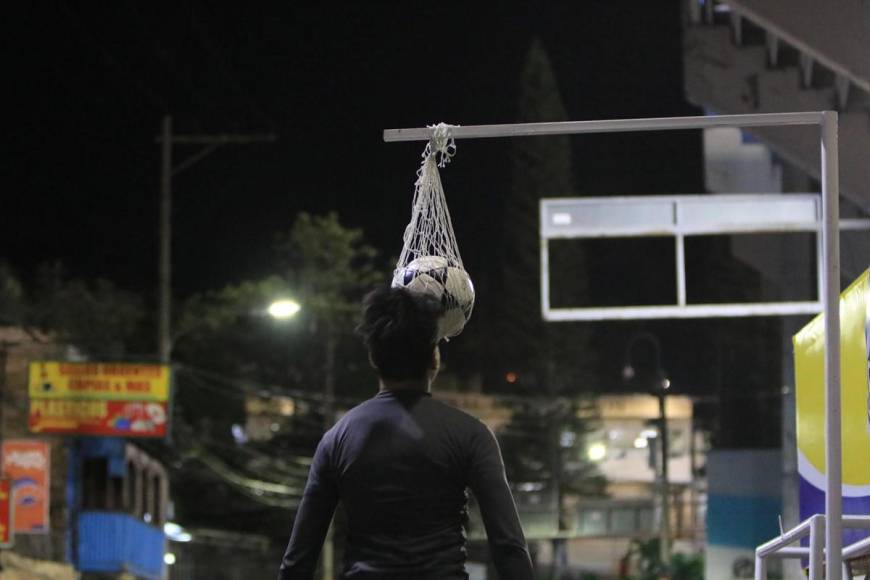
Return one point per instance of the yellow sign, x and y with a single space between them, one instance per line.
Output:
809 350
98 381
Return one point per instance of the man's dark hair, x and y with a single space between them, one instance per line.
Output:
400 329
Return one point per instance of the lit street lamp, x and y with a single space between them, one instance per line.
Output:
284 309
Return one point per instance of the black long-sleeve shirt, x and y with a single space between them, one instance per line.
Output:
401 462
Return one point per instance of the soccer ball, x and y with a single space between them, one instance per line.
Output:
446 282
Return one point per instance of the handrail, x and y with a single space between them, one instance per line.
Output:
859 548
796 533
815 527
796 43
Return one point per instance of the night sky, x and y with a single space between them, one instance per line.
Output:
91 83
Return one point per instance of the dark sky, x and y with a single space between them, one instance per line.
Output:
91 82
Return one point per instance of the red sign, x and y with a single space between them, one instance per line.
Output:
96 417
6 509
27 463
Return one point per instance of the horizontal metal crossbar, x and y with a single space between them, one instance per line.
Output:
609 126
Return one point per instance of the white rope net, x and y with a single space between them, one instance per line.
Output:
430 260
430 231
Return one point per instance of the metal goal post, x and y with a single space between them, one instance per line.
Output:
827 121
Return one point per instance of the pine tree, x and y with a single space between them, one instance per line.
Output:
546 356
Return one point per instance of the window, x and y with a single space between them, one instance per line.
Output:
593 522
624 520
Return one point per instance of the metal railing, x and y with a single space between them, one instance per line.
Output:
814 527
702 12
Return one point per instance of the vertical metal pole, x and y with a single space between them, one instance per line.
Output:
760 567
681 269
665 527
545 278
165 267
817 547
820 267
833 443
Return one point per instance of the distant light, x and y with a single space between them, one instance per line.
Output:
511 377
628 372
567 438
171 529
597 452
666 383
169 558
239 435
176 533
286 406
274 427
283 309
531 486
641 443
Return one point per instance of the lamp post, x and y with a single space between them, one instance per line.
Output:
659 387
287 308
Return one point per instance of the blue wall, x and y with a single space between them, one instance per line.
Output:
744 498
110 542
116 542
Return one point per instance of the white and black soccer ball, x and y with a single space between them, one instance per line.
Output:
445 281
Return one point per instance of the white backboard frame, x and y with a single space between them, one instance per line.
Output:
677 217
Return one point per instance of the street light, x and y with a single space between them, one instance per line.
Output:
660 386
284 309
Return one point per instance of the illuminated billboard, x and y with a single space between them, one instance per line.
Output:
809 349
93 398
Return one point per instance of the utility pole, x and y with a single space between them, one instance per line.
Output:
165 274
167 140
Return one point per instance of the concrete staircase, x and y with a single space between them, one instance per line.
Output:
757 56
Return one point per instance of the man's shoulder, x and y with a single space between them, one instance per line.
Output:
458 415
359 409
446 412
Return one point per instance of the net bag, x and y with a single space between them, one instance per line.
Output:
430 262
